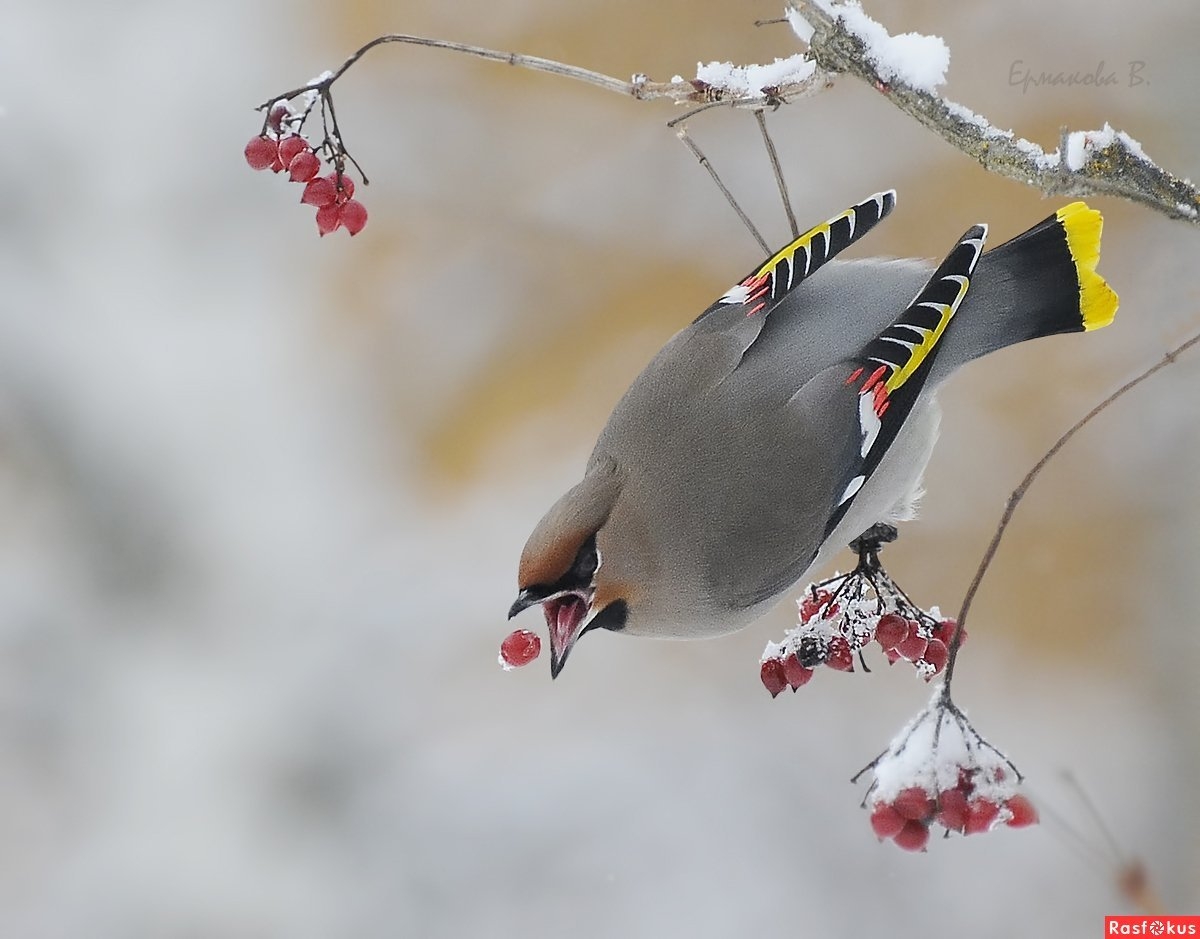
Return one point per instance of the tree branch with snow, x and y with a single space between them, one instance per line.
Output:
907 69
842 39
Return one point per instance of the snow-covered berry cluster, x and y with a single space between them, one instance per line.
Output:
281 146
839 617
939 771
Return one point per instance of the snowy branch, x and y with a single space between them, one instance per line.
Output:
842 39
740 86
907 69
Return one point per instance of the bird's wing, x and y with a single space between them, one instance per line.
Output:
888 374
833 432
737 318
704 356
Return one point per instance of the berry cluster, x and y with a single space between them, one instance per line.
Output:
335 208
280 147
939 770
520 647
906 820
840 616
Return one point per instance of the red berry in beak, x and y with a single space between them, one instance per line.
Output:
519 648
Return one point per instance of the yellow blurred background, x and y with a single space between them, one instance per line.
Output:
264 493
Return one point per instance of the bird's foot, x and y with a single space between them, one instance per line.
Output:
868 545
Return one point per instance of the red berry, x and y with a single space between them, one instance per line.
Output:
811 605
796 674
1023 812
319 192
886 821
519 648
353 215
276 115
261 152
966 782
912 837
914 803
912 646
945 631
980 815
773 678
304 166
892 656
329 219
290 146
343 185
891 630
952 810
839 657
936 654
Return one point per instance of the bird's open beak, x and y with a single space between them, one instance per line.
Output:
564 618
565 615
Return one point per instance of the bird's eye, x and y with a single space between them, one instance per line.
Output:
586 562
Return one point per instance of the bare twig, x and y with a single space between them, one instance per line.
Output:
778 170
682 134
1019 493
1087 163
640 87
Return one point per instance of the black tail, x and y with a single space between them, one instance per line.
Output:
1040 283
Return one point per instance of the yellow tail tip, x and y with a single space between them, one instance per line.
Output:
1097 300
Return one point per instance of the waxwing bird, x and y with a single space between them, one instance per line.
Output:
794 414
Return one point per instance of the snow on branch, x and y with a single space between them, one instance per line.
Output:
843 39
753 86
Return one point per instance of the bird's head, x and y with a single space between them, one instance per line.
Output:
562 568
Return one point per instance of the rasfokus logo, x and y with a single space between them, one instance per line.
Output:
1152 925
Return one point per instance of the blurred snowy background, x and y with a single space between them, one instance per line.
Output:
263 494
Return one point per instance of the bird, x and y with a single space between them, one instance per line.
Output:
794 414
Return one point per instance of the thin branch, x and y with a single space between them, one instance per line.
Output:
1019 493
682 134
1104 162
640 88
778 170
